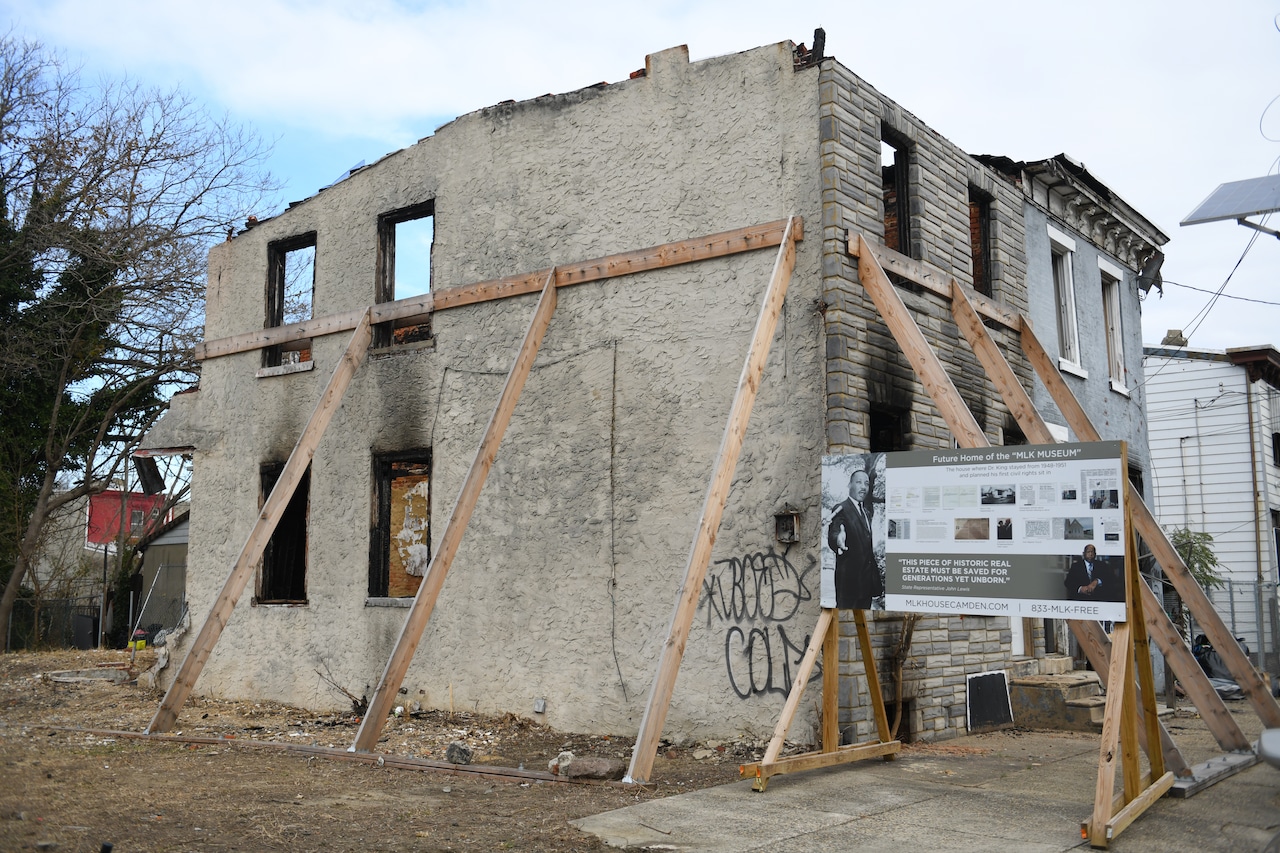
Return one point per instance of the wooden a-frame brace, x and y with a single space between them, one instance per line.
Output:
1128 703
826 635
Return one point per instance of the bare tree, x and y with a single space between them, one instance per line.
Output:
110 196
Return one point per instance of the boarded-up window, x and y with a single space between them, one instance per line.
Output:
401 538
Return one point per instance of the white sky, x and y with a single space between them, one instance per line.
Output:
1162 101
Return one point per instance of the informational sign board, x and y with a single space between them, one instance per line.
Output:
1028 530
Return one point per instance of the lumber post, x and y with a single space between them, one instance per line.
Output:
269 516
923 360
831 687
1166 555
655 712
429 590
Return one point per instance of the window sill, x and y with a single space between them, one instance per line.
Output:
372 601
285 369
1119 389
280 604
1071 367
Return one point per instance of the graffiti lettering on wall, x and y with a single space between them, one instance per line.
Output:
765 589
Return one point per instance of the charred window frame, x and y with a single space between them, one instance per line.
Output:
980 239
290 294
283 579
887 432
400 544
406 240
895 173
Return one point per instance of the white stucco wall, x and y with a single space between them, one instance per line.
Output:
567 576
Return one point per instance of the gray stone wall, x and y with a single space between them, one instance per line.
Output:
866 368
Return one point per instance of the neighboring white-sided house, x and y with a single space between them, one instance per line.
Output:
1214 426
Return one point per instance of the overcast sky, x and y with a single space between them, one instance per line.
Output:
1163 101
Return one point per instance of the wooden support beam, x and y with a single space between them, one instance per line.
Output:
875 694
420 307
831 688
1092 639
176 696
655 713
384 694
917 350
1166 555
932 279
1109 748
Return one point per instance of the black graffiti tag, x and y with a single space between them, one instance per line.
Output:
759 661
759 588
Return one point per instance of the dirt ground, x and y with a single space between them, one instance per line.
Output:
67 789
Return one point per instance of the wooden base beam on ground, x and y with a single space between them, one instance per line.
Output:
826 638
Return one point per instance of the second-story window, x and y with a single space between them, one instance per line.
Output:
1062 253
405 240
291 281
980 239
895 165
1113 323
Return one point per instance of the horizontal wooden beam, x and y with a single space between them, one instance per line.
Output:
404 311
932 279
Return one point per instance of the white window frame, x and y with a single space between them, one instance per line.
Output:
1061 258
1113 321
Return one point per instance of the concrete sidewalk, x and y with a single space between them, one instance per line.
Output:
1025 791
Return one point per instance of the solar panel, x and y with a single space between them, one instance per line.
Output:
1238 199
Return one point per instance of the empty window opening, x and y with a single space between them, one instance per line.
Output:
405 240
1275 449
1062 250
284 561
291 281
895 161
1113 325
980 239
887 431
401 541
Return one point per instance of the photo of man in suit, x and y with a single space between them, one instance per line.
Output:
1090 578
857 576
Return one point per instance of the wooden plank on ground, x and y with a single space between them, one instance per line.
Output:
412 308
1166 555
655 713
814 760
384 694
272 509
